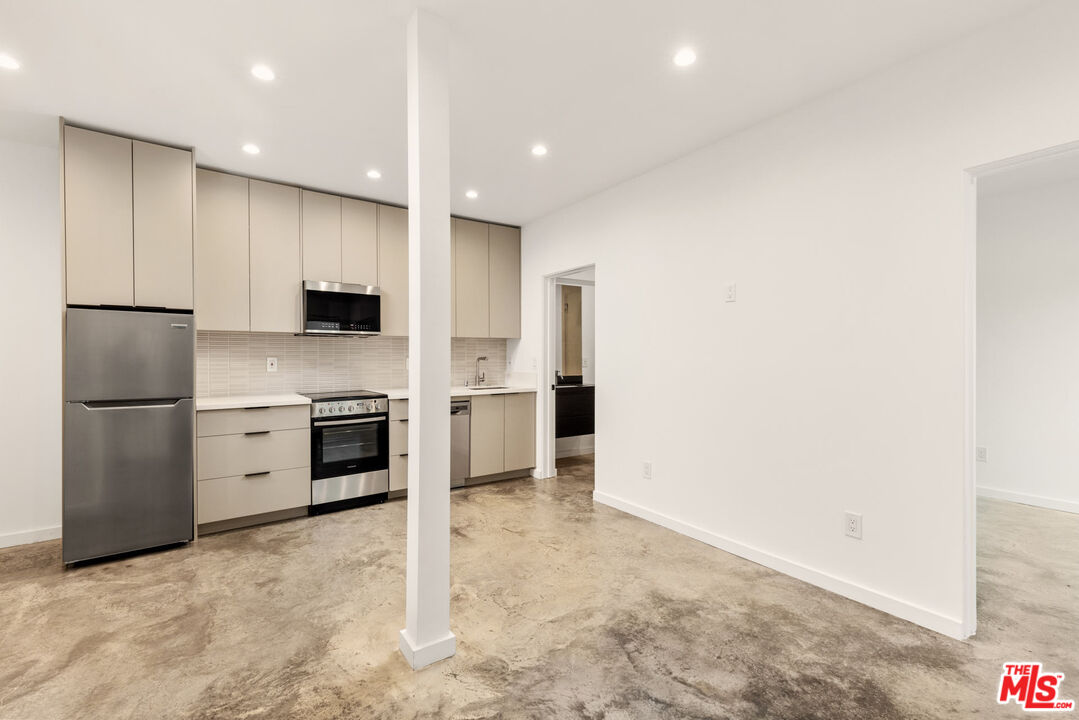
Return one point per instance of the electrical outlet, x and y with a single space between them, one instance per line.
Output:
271 364
730 293
533 364
981 454
646 471
853 525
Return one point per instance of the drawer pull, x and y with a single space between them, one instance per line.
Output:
258 474
260 407
258 432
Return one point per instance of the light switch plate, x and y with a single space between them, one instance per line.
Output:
981 454
271 364
730 293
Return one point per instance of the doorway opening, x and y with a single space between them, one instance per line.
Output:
568 382
1023 473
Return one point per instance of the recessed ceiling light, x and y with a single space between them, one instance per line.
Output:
471 194
685 57
374 174
8 63
263 72
539 150
251 149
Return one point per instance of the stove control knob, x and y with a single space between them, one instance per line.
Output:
331 409
350 408
322 411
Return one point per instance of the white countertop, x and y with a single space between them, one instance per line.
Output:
458 391
229 402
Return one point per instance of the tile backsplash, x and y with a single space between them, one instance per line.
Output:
234 363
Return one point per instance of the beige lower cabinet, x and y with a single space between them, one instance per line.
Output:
239 496
503 433
398 445
520 441
488 433
252 461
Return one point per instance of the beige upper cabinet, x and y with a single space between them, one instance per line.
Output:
453 277
321 236
487 435
505 283
359 242
163 195
222 279
472 278
275 257
393 268
520 442
97 216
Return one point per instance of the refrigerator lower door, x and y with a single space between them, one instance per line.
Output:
128 355
128 475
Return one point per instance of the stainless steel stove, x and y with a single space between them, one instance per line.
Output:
350 449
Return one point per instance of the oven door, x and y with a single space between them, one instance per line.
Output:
349 447
341 309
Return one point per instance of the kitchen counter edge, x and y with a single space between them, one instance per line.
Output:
402 393
231 402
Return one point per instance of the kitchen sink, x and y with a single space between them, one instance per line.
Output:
489 387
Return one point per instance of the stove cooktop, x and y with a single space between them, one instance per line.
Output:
344 395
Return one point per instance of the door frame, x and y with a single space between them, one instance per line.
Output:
970 340
546 406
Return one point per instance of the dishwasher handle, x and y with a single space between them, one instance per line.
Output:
461 407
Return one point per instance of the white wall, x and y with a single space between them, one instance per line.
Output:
838 380
1028 345
30 357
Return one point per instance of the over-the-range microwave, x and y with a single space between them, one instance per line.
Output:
332 308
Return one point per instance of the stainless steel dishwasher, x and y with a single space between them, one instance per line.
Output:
460 441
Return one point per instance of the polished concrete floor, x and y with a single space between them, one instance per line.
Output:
562 608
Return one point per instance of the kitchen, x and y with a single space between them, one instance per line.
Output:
262 329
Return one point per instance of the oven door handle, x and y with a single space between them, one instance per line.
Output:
348 422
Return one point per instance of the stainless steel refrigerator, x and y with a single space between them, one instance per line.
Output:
129 420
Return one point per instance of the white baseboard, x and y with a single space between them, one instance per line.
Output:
29 536
571 447
1035 500
420 656
886 603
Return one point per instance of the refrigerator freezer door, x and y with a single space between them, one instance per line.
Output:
128 473
128 355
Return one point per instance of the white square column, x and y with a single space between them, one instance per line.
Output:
427 637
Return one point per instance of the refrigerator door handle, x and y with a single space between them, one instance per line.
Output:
129 405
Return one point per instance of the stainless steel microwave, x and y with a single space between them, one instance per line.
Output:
331 308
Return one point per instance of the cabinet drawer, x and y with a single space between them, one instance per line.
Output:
227 455
398 409
398 437
398 472
243 420
226 498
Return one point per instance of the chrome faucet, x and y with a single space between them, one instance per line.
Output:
480 377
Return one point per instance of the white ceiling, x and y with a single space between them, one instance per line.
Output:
592 79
